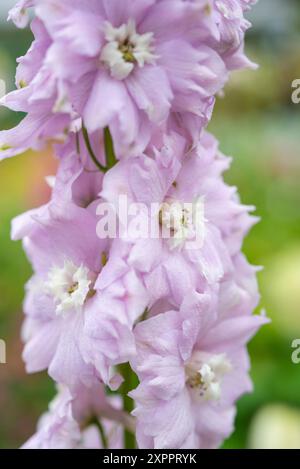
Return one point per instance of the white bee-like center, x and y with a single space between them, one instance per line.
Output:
125 49
204 374
181 222
70 286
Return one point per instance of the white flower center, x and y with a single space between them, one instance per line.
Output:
125 49
204 373
182 221
70 286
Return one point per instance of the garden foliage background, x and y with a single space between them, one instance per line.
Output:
259 126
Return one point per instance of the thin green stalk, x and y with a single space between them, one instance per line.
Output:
77 143
110 155
90 150
103 435
128 384
94 420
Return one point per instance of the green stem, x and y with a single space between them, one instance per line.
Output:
103 435
128 384
110 155
95 421
90 150
77 143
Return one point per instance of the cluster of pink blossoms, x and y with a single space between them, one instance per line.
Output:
123 90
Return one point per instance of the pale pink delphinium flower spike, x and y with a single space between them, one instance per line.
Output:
126 88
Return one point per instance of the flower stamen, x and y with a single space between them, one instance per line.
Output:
125 49
204 374
70 286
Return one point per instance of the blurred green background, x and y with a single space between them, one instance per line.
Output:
259 126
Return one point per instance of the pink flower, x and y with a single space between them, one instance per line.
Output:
224 30
192 366
72 422
65 299
40 95
132 75
200 245
128 67
19 14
